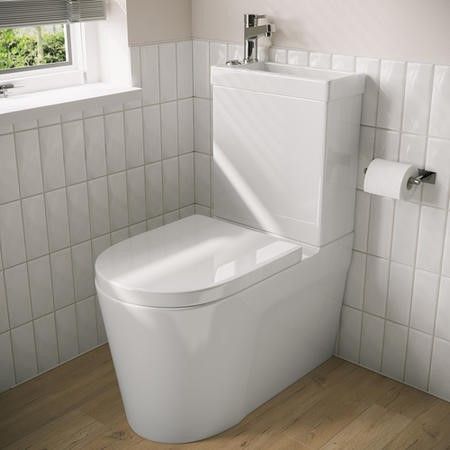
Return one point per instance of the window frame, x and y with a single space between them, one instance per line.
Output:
83 48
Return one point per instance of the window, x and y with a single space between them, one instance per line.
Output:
36 47
47 44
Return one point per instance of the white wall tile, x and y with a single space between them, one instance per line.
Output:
52 157
443 312
423 309
431 239
134 138
350 333
115 142
168 72
187 182
406 226
362 213
66 329
202 179
169 130
94 131
387 144
438 160
29 162
137 228
440 106
412 149
136 195
392 81
235 51
201 69
400 292
394 350
372 341
202 125
99 245
440 368
152 133
118 201
298 57
371 68
320 60
154 189
377 274
380 227
365 156
24 352
78 207
418 357
9 180
419 79
119 236
446 261
18 295
4 320
101 331
11 234
57 219
343 63
150 74
87 324
186 126
7 378
354 289
99 206
40 286
46 342
74 154
185 79
170 184
217 53
62 276
35 226
171 217
278 55
83 271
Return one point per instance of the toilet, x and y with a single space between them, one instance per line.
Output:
208 318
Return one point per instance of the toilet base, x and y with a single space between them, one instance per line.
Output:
186 374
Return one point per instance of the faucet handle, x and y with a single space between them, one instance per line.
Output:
251 20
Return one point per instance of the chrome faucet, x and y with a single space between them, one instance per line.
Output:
251 34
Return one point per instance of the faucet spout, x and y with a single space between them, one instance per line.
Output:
252 32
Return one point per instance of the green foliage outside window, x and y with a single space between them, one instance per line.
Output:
20 49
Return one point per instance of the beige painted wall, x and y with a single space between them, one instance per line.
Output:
412 30
152 21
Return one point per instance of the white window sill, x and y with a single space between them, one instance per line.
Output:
38 105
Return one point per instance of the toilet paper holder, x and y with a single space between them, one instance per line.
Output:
424 176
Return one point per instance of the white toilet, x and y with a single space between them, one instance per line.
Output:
208 318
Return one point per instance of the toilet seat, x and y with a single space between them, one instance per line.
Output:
190 262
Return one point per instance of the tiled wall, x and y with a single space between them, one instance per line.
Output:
396 314
72 186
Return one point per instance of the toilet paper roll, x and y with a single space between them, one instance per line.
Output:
389 179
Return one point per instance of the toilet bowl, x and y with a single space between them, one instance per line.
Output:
208 318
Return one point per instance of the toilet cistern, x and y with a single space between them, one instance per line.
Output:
252 32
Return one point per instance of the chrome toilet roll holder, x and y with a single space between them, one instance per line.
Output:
424 176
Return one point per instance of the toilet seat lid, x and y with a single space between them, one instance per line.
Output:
193 261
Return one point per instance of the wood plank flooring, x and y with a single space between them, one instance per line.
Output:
337 406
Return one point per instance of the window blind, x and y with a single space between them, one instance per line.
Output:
16 13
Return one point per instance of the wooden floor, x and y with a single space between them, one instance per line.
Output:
337 406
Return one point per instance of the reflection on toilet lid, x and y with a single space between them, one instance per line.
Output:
190 262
